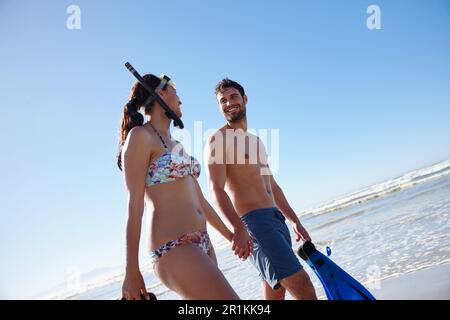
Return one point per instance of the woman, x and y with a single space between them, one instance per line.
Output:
161 176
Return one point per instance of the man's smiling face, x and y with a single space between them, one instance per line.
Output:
232 104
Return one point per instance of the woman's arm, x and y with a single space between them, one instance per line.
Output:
135 162
211 215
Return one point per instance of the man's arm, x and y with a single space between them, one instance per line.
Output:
282 202
280 199
216 175
278 195
284 206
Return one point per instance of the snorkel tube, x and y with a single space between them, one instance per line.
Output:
153 95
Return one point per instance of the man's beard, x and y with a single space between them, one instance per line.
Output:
236 117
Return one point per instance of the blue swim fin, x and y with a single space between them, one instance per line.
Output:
338 284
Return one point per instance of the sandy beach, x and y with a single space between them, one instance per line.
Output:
428 284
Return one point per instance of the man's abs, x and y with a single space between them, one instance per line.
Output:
248 189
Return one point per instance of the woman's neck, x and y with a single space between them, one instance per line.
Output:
162 125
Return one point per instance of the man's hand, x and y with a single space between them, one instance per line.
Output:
242 243
300 231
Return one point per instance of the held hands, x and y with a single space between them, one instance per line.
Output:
300 231
133 287
242 243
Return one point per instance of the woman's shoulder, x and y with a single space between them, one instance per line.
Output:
138 133
140 137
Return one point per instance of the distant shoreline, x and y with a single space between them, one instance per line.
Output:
375 191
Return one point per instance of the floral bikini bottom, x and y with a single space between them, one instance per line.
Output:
199 238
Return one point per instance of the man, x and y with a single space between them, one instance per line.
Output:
245 191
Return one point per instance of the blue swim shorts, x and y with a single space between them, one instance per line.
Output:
272 255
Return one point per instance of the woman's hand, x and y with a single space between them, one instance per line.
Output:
133 287
242 243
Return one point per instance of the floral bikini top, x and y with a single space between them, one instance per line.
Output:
171 166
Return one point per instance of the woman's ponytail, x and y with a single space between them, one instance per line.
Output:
131 117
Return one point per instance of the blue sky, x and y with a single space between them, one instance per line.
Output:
354 107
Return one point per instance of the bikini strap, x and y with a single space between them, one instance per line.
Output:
160 137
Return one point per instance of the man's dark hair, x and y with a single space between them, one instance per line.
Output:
227 83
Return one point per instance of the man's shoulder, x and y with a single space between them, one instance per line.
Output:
218 133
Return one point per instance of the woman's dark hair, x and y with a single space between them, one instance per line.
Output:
131 117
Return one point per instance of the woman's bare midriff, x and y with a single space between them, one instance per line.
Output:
173 209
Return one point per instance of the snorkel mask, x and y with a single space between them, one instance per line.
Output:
165 81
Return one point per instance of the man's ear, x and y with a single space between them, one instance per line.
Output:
245 99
